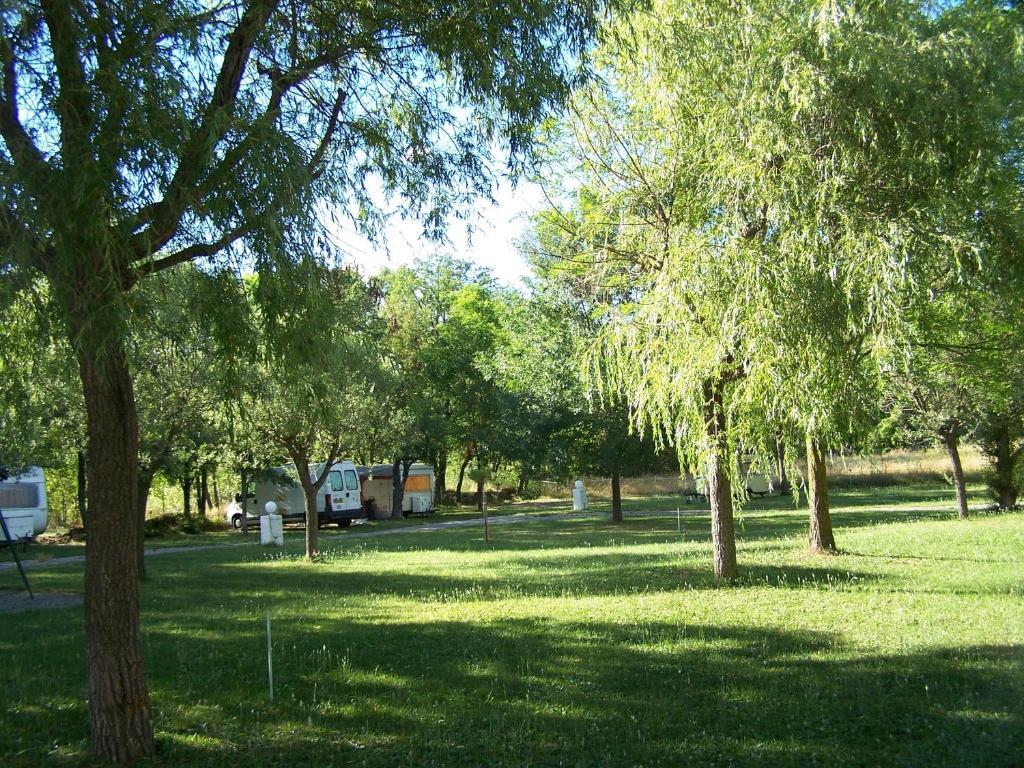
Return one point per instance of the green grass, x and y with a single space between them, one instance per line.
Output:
569 642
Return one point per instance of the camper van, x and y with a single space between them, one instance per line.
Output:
339 499
23 503
419 490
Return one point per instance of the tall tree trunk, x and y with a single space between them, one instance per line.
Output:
723 528
119 713
952 443
820 535
82 488
780 466
440 479
216 493
462 475
186 493
616 495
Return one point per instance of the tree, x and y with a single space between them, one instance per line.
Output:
141 136
738 155
308 394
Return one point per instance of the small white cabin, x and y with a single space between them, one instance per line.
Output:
23 504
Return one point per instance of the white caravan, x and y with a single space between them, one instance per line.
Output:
339 499
23 504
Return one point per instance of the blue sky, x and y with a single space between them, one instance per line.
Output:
496 228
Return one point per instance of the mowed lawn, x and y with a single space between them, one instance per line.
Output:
566 643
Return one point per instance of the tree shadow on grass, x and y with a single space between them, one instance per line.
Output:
533 692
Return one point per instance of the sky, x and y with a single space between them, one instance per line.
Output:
496 227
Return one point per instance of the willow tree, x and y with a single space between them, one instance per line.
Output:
776 183
137 136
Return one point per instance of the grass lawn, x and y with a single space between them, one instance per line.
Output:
566 642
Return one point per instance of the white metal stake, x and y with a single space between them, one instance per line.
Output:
270 660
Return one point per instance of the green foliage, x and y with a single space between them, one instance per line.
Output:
761 193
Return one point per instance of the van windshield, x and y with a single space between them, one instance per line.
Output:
18 495
351 481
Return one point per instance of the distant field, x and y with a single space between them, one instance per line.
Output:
572 642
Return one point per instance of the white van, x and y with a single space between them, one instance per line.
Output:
23 504
339 499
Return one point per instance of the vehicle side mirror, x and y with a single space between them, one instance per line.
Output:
238 498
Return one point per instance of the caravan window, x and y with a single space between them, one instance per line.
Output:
335 478
351 481
19 496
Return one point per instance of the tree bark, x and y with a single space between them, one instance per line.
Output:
216 493
616 495
820 535
952 443
119 712
723 528
82 488
186 494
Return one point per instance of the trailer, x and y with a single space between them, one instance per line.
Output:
377 482
23 504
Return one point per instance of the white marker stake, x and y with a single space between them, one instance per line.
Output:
270 660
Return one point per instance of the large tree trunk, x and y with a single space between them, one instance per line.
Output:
820 535
119 711
82 488
462 476
616 495
723 528
216 493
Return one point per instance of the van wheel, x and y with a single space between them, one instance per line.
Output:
236 522
345 522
